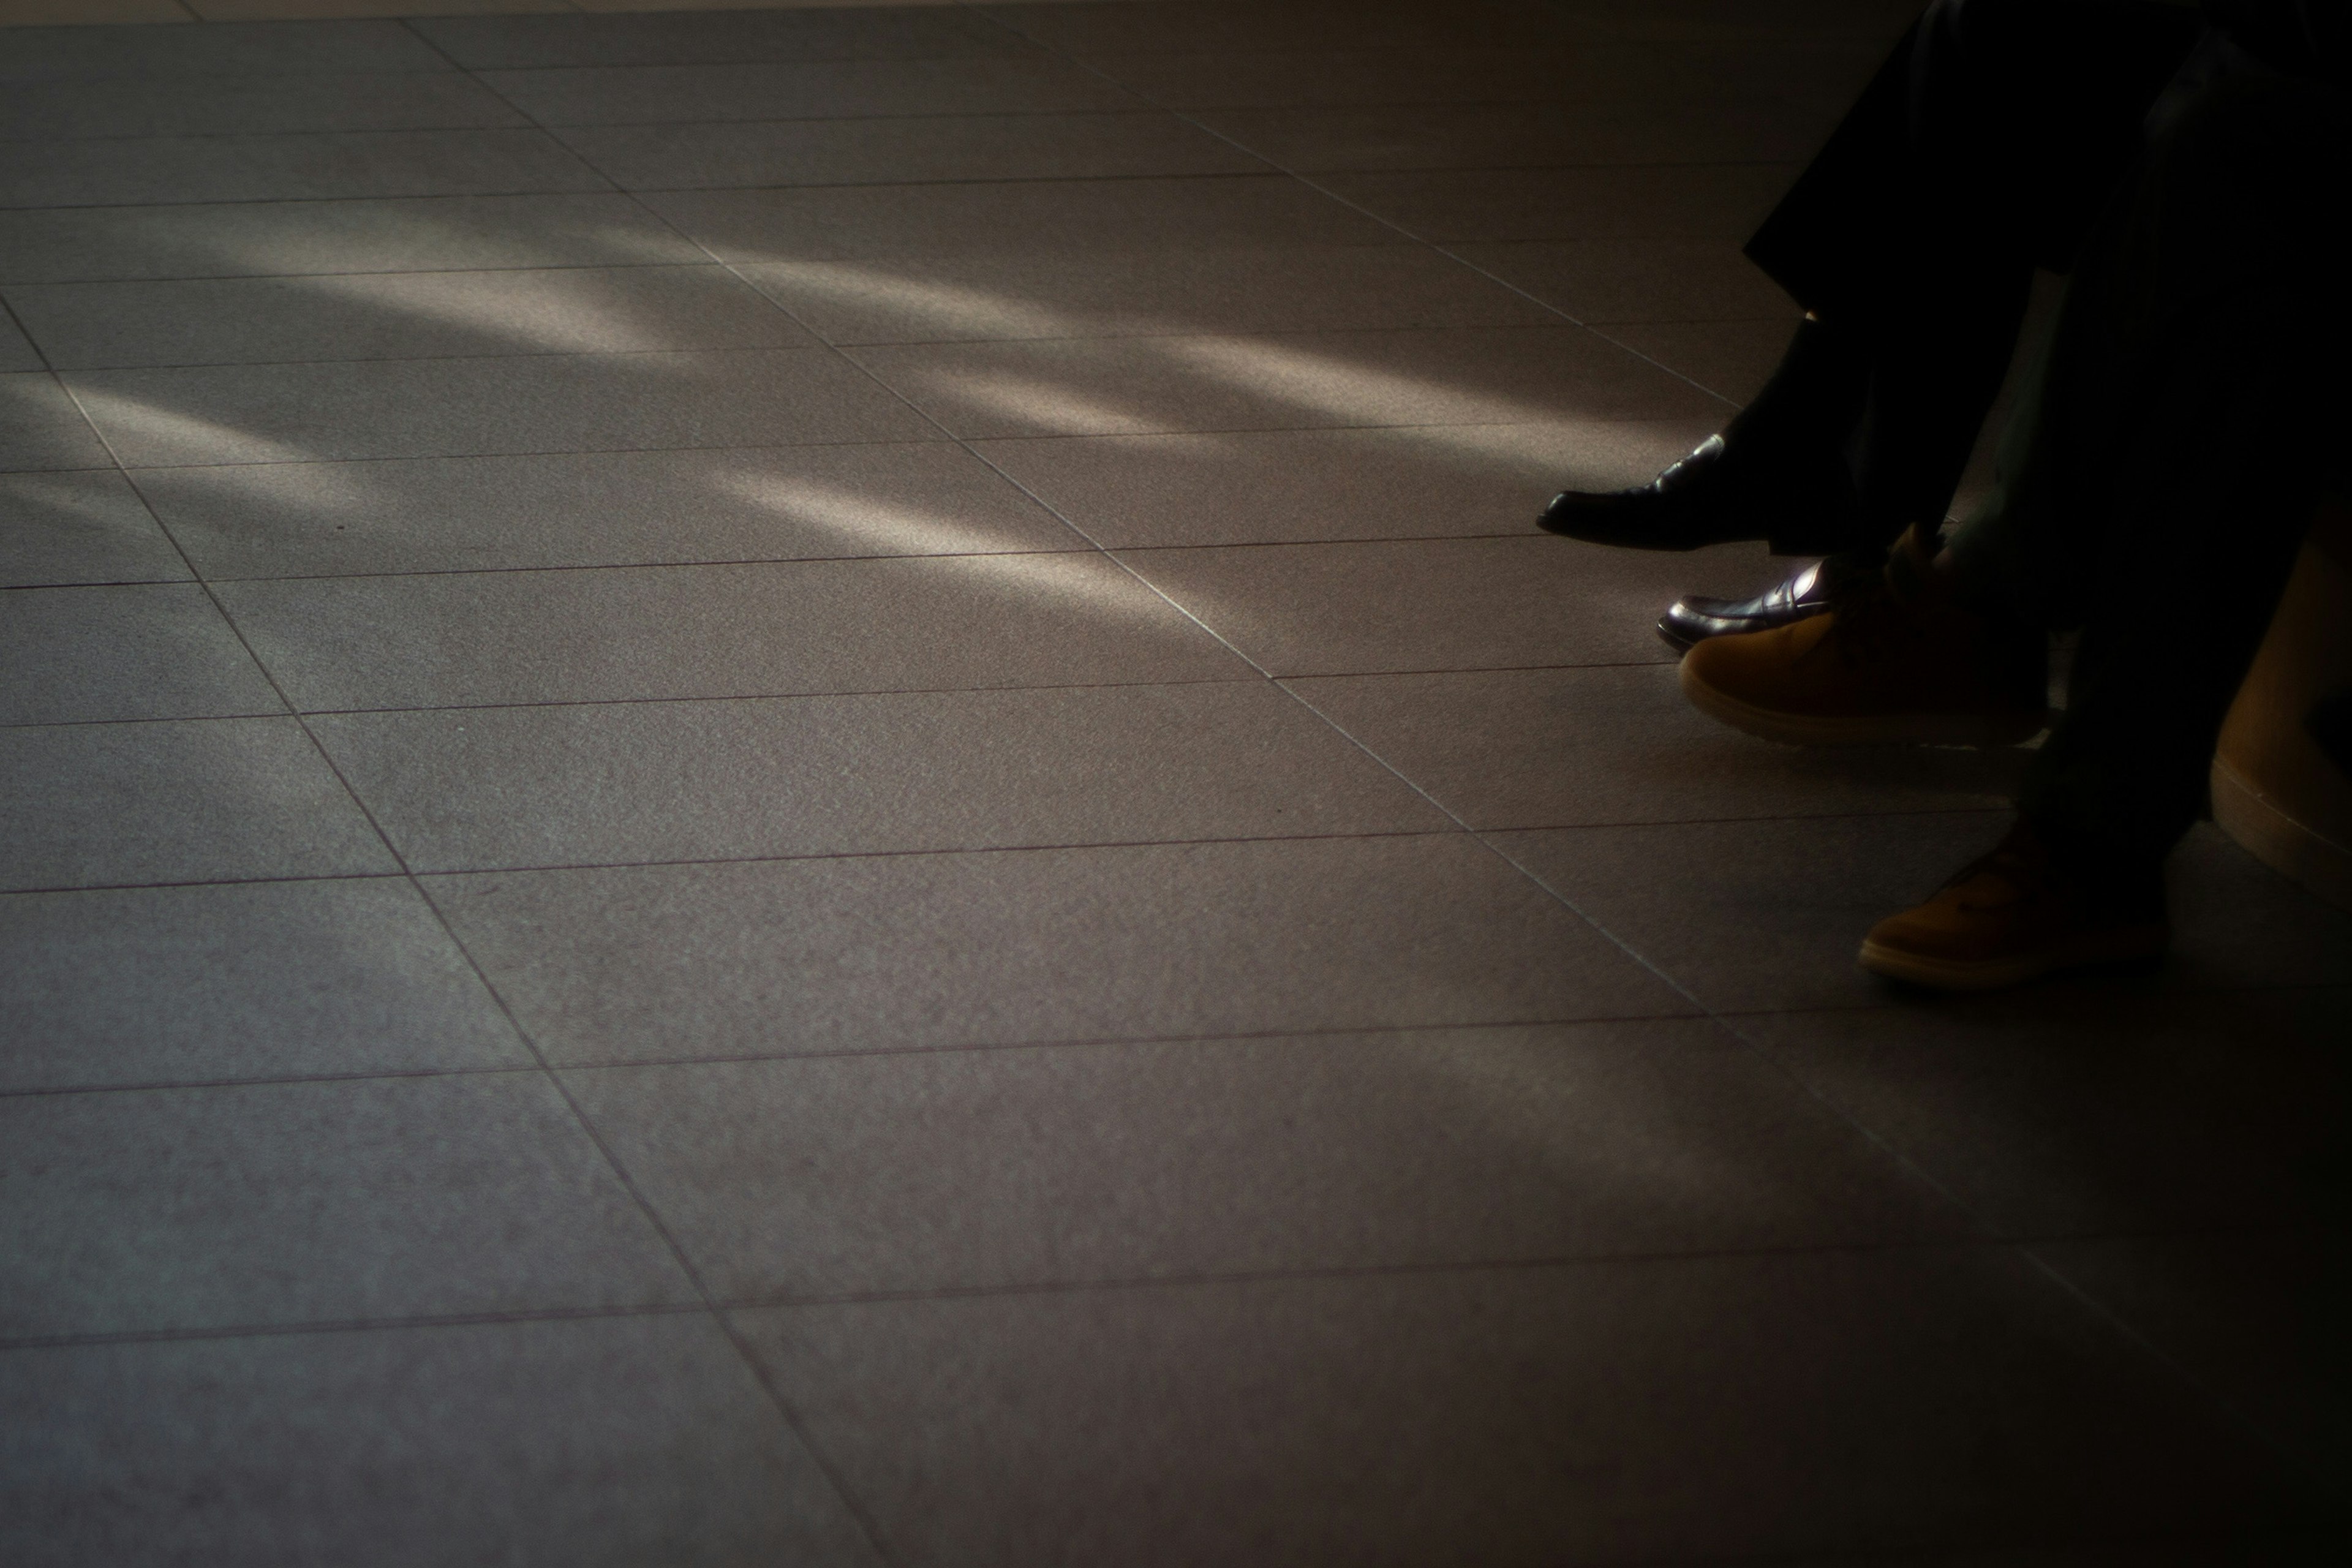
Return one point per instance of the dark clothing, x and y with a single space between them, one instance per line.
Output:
1981 149
2307 39
2156 480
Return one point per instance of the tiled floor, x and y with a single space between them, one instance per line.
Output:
799 786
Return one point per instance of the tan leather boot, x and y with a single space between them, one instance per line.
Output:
1898 660
2017 914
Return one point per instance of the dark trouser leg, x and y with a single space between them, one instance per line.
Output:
1976 153
2155 483
2209 505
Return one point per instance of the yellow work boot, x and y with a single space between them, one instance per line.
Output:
1896 661
2018 914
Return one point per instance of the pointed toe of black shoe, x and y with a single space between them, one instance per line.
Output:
1670 512
1794 497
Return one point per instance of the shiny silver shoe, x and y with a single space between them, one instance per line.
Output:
1694 618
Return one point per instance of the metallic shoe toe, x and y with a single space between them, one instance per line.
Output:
1694 618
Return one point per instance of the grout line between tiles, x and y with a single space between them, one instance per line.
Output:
740 349
614 265
1034 848
738 447
814 694
551 127
613 190
343 1326
496 707
652 565
747 859
861 1053
724 1306
871 184
796 446
34 144
8 312
819 344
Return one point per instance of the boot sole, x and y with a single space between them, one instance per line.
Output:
2130 944
1980 730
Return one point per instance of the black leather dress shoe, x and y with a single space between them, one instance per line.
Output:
1712 498
1694 618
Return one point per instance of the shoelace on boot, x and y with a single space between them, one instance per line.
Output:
1869 620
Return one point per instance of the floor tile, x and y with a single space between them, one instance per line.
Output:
1516 135
832 90
293 10
86 526
982 298
132 171
1754 915
880 33
1500 376
36 55
1718 202
1707 21
598 8
2224 1548
1088 30
429 234
17 351
473 788
600 1444
1341 76
1611 280
607 509
253 979
784 958
43 431
926 1171
1297 486
1439 604
205 800
962 622
1587 73
81 12
1045 217
401 315
2236 922
1653 1411
905 151
2255 1319
1544 748
160 650
2095 1105
192 1208
461 407
247 105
